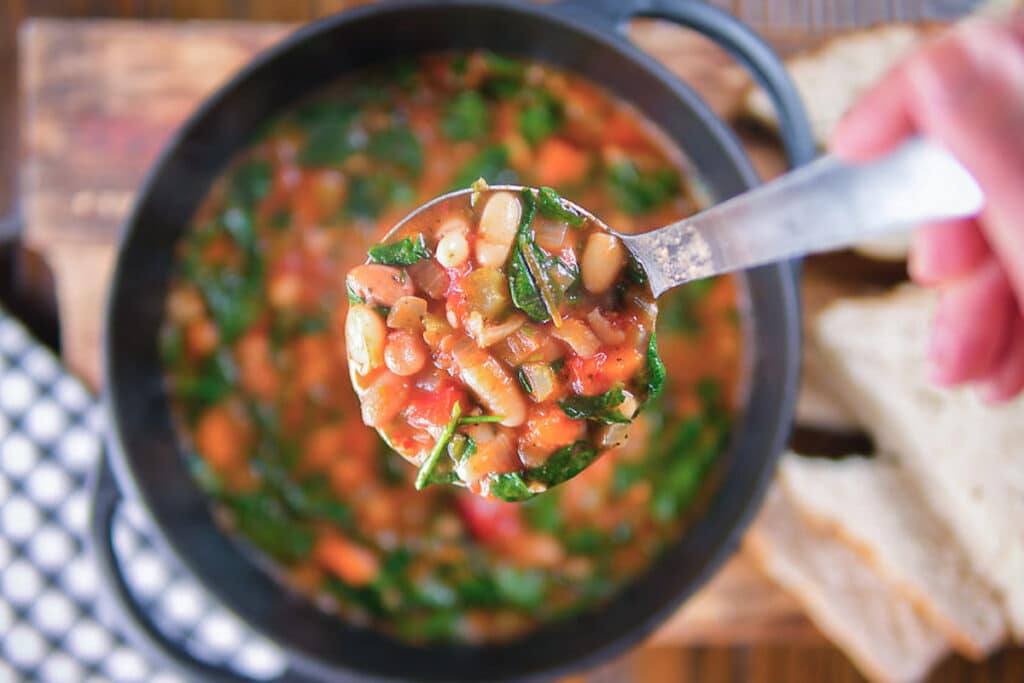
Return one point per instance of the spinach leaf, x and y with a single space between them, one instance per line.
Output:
172 346
369 196
265 522
281 220
398 146
353 298
428 466
564 464
524 381
404 252
505 76
585 541
543 512
250 183
238 223
509 487
491 164
523 588
638 191
541 116
465 118
655 380
329 141
317 501
601 408
216 378
550 204
234 300
537 281
635 272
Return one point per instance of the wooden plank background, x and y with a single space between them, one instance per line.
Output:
92 120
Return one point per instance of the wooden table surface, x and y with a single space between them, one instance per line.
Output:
98 99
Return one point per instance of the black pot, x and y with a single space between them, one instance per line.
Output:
585 37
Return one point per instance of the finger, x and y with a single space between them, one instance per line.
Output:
969 95
972 326
947 251
1007 380
877 123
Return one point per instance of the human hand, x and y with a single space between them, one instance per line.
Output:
965 91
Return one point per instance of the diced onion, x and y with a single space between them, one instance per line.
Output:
541 379
550 234
407 313
488 335
605 331
579 337
487 292
430 277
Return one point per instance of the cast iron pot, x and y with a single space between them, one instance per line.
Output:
583 36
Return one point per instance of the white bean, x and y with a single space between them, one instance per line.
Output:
496 389
499 222
602 262
452 250
364 338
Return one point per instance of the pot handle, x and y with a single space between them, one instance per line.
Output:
130 616
739 40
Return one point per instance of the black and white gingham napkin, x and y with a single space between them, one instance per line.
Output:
54 625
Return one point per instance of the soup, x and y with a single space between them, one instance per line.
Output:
254 351
501 341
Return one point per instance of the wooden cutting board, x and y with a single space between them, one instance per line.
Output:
100 99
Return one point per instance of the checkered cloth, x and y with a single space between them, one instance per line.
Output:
54 627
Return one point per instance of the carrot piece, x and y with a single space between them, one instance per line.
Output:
220 437
548 428
353 564
560 163
201 338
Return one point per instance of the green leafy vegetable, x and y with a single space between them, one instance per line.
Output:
329 141
524 381
537 281
679 309
250 183
655 380
520 587
509 487
239 224
505 76
635 272
543 512
281 220
369 196
541 116
405 252
262 519
638 191
601 408
480 419
398 146
427 468
465 118
353 298
564 464
550 204
491 164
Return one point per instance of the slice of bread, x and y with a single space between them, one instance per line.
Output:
966 458
873 506
872 622
832 77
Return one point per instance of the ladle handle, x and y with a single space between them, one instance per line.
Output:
826 205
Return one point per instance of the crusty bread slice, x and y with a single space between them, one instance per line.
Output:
832 77
873 623
872 505
966 458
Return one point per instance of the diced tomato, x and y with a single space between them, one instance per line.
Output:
547 429
434 408
490 521
599 373
623 128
